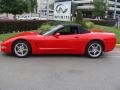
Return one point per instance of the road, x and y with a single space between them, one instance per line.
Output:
60 72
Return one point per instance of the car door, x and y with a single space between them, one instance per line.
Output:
69 37
65 43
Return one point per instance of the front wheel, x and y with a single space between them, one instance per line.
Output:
94 49
21 49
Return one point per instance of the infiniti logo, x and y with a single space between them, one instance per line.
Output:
61 8
62 11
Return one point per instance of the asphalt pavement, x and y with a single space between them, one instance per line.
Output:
60 72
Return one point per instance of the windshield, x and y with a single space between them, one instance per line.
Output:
51 32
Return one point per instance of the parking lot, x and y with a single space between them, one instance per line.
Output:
60 72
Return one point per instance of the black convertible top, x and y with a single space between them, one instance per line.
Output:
81 29
70 24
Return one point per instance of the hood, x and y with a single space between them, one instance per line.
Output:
22 35
26 34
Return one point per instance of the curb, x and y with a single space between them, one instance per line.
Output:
118 45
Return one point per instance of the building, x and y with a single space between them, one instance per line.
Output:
86 7
42 11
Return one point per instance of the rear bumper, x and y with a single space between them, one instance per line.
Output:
110 45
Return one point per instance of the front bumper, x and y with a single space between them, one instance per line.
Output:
5 47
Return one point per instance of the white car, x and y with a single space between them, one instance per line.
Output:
43 19
28 18
31 18
37 18
22 18
34 18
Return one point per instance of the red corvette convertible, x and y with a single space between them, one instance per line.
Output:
63 39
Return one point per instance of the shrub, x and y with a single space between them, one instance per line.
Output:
60 22
46 27
96 30
49 25
7 26
87 24
104 22
53 22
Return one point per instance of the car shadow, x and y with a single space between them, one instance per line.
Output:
104 56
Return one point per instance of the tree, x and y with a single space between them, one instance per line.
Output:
79 17
32 5
13 7
5 6
17 6
100 8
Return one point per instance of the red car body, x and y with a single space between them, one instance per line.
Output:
62 44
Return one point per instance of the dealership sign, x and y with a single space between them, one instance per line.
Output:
62 11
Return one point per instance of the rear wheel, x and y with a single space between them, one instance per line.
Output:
94 49
21 49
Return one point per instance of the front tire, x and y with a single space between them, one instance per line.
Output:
21 49
94 49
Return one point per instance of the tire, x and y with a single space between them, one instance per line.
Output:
94 49
21 49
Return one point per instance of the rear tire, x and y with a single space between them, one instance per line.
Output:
94 49
21 49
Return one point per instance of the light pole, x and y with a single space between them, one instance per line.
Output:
115 7
47 2
106 16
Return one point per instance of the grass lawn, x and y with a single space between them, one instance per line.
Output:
105 28
5 36
110 29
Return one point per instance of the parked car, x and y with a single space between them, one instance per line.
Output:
23 18
5 18
43 19
31 18
63 39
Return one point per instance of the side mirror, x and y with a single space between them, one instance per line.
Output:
57 34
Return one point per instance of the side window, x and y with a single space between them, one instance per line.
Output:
76 29
83 30
69 30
